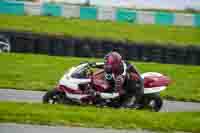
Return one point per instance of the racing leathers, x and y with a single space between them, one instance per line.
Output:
125 84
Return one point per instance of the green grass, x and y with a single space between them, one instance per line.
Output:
98 117
42 72
109 30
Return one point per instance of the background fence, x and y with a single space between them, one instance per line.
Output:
88 47
24 42
149 4
100 13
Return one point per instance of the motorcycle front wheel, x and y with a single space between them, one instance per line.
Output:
53 97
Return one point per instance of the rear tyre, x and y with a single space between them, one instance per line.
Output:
155 102
53 97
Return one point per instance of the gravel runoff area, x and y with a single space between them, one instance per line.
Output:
36 96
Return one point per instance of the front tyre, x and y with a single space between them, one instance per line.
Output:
52 97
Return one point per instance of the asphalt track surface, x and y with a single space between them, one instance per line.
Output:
23 128
36 96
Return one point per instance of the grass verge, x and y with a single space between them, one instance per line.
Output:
104 30
42 72
98 117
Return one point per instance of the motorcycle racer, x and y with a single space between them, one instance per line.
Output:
116 71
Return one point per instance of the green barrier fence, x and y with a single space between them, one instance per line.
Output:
12 8
89 13
125 15
197 20
164 18
51 9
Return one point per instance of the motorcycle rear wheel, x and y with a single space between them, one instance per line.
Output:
155 102
152 101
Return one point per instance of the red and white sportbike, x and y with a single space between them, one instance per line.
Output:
85 84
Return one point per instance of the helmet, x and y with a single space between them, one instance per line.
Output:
113 62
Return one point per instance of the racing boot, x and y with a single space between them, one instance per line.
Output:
137 103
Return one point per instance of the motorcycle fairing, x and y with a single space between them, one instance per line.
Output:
153 82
